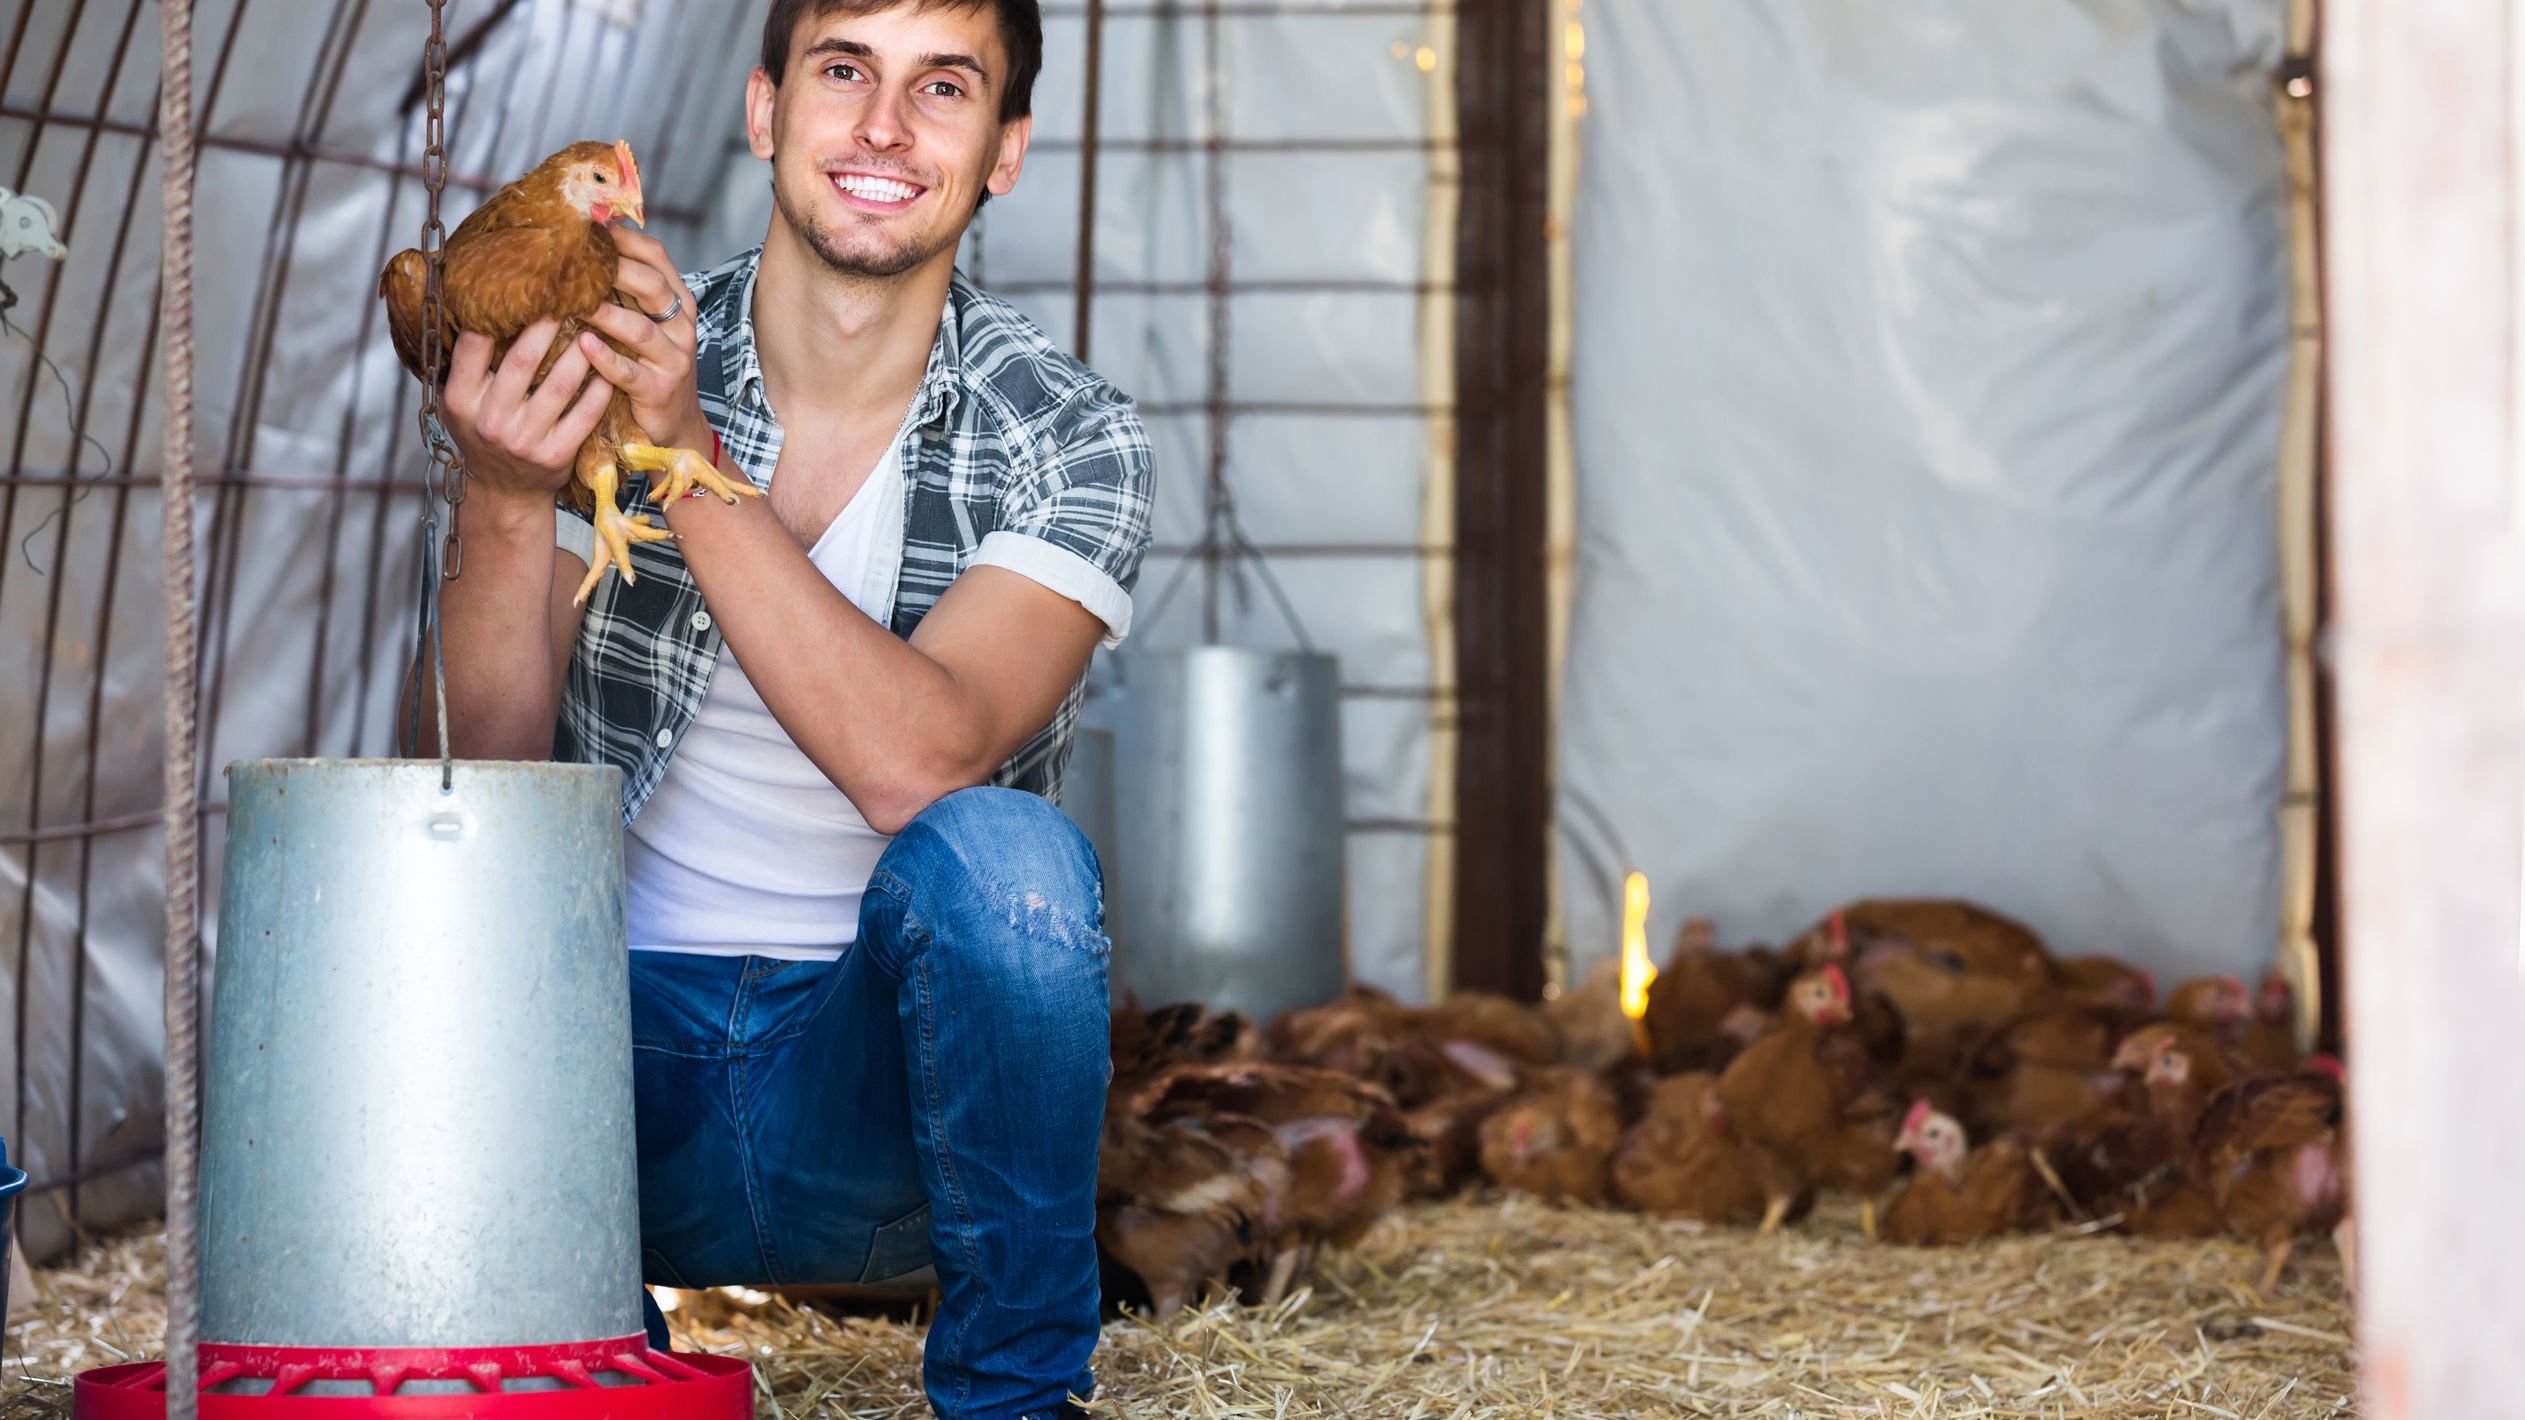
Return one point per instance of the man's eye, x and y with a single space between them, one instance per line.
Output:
945 89
841 71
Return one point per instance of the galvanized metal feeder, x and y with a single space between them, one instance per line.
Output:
419 1178
1227 827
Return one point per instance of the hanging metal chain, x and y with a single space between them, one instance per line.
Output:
446 472
443 473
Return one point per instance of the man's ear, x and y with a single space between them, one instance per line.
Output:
1013 138
761 95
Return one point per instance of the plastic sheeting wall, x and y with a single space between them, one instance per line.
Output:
1927 398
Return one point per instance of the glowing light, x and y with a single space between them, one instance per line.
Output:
1574 39
1637 970
1426 58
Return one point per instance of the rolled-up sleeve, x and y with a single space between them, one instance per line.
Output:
1078 521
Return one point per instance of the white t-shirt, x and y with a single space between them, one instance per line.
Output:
745 848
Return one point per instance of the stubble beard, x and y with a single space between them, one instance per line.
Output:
881 265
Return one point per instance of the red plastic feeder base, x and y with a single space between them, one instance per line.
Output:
588 1380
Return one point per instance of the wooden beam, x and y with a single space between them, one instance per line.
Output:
1505 79
2421 155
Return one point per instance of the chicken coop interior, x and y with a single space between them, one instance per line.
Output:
1884 647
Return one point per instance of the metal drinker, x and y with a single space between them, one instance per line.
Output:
1228 826
419 1177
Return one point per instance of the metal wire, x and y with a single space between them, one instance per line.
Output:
183 958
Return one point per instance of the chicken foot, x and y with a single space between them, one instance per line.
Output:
614 533
2275 1258
1284 1269
1772 1214
683 471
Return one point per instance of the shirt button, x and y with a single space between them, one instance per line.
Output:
665 738
701 621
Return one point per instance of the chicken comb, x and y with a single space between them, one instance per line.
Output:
623 163
1837 931
1917 1116
1840 981
2329 1065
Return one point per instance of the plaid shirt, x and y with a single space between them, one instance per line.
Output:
1015 455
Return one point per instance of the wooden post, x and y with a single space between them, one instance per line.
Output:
1505 82
2421 153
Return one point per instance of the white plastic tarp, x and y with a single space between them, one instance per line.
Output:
1927 391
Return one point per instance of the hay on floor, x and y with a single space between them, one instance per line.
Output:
1506 1307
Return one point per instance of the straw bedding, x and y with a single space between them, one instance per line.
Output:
1506 1307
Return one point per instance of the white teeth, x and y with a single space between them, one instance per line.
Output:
875 189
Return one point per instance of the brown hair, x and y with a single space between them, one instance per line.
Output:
1020 33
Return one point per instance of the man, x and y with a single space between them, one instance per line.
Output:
868 966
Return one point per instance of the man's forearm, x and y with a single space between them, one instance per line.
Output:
888 725
503 668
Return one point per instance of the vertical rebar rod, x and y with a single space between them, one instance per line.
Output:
1089 120
1214 198
183 958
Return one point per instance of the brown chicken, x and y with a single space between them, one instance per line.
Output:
2181 1066
2108 981
1944 1010
1960 935
1554 1139
2136 1163
1468 1045
1181 1201
1680 1160
1959 1195
2270 1037
2219 1005
2049 1068
2269 1149
1595 1035
1696 992
1802 1102
538 250
1351 1153
1146 1043
2127 1168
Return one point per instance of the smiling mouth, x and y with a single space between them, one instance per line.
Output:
875 193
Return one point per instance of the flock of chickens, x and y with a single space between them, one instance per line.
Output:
1867 1054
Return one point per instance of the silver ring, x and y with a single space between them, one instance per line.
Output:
673 309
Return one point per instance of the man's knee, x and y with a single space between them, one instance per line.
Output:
991 864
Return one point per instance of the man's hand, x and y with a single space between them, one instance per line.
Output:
655 362
520 439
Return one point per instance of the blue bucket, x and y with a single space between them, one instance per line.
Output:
12 1180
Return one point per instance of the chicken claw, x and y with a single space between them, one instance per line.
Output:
1772 1213
684 471
614 533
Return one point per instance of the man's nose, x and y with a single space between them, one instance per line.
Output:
882 124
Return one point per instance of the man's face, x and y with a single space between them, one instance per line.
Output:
885 133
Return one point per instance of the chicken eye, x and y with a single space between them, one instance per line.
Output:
601 178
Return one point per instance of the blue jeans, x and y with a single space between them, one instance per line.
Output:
935 1096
